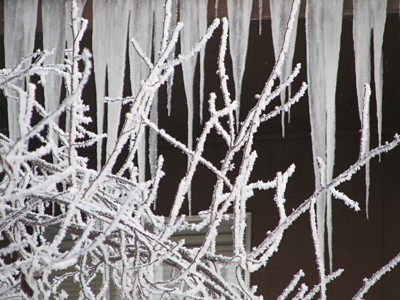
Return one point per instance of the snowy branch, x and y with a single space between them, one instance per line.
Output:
62 222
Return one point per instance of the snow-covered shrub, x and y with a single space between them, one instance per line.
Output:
64 222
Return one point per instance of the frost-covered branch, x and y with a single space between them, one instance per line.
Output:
369 282
62 222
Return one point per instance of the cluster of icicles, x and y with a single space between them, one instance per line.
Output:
115 23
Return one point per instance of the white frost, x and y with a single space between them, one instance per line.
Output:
118 215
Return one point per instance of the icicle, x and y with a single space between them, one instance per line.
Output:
323 25
333 15
193 14
203 4
362 37
378 7
362 40
280 10
19 37
53 20
118 30
260 15
170 84
100 55
239 12
68 34
153 140
170 81
158 10
317 107
369 15
190 35
81 5
141 17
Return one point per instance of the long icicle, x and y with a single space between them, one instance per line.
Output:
280 11
190 35
378 7
189 15
203 4
118 33
100 47
158 11
369 15
333 15
323 25
53 22
239 12
19 37
141 17
170 82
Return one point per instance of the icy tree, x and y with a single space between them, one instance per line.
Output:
64 222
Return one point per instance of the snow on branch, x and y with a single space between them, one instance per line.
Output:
64 224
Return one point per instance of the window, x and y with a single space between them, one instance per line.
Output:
224 246
192 239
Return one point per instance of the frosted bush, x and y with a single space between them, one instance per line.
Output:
64 222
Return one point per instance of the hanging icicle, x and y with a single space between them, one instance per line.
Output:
118 32
68 7
19 38
379 20
170 82
260 15
280 10
190 34
69 38
158 11
100 54
216 8
239 13
202 17
333 16
109 52
194 15
53 23
369 15
323 31
189 11
141 17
